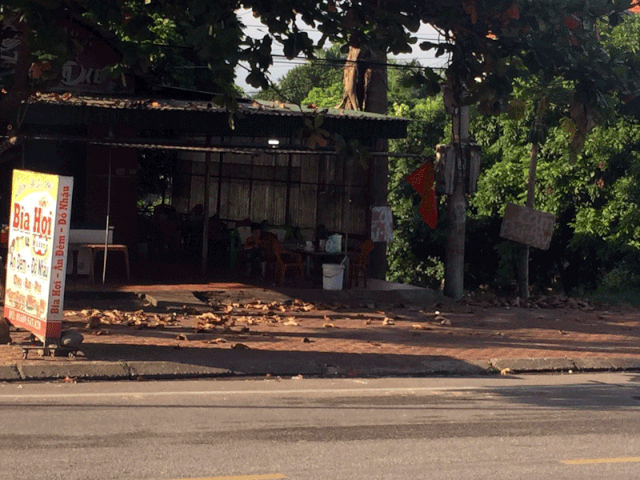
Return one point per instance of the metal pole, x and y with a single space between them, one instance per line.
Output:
347 209
205 213
106 230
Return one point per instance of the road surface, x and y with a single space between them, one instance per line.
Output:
506 427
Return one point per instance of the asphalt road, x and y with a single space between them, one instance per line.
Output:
510 427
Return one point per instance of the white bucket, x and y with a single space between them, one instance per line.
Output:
332 276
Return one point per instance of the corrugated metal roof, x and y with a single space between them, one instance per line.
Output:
256 107
253 119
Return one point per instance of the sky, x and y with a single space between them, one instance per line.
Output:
282 65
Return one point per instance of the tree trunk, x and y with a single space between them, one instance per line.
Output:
365 88
351 80
523 261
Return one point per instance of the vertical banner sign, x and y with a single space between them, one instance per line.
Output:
37 258
381 224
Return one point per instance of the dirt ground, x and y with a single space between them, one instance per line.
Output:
552 326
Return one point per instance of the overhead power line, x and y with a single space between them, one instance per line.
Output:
333 62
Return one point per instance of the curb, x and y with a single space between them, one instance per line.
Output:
9 373
165 370
161 370
550 365
84 371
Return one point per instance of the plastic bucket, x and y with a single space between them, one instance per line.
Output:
332 276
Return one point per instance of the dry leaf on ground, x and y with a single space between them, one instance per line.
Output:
209 318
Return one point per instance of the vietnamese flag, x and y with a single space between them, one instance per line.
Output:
423 182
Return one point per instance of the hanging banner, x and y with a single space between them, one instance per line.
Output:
381 224
527 226
422 180
37 255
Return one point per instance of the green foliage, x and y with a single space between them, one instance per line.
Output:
416 254
328 97
323 76
595 200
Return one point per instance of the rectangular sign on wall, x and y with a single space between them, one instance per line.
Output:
381 224
37 256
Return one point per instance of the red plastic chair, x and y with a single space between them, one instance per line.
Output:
359 263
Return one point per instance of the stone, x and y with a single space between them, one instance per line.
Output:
71 339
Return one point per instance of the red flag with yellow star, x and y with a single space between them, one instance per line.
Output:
423 182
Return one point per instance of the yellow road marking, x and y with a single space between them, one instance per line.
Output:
268 476
589 461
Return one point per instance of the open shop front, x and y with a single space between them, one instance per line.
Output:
180 189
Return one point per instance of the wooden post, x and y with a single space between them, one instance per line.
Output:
523 260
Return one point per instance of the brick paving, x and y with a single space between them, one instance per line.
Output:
366 329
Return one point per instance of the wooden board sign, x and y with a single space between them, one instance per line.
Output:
527 226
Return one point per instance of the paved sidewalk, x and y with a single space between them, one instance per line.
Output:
147 332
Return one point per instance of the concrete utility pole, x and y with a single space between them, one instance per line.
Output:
457 206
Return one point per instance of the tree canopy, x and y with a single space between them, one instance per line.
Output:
483 37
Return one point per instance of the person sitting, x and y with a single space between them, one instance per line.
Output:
218 239
253 252
192 231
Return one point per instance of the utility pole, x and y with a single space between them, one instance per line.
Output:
457 205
